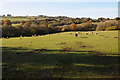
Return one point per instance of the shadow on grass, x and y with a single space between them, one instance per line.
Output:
44 63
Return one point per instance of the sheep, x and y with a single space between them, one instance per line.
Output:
35 35
76 34
86 33
20 35
96 33
70 33
7 37
48 34
92 32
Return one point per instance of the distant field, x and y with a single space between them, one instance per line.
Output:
14 19
15 25
62 55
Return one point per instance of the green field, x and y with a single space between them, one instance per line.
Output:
15 25
14 19
62 55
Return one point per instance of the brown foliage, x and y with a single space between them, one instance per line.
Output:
72 26
8 22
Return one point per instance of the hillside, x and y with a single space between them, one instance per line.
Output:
62 55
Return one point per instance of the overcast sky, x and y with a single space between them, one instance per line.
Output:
53 8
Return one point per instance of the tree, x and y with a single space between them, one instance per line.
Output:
112 28
27 24
2 22
107 25
86 19
72 26
88 26
117 18
3 15
101 19
9 15
7 23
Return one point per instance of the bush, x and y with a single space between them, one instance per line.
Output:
107 25
112 28
86 27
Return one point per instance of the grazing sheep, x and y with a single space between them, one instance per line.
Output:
48 34
35 35
92 32
7 37
86 33
70 33
20 35
76 34
96 33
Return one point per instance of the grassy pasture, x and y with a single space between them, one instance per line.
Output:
62 55
15 25
14 19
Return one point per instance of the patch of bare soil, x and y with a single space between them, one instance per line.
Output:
106 37
80 43
83 45
62 43
115 37
83 37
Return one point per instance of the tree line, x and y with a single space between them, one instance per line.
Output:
51 25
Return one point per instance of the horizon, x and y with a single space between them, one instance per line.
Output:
52 16
93 10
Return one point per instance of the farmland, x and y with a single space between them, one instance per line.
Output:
62 55
13 19
59 40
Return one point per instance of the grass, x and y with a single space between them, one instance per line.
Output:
104 42
14 19
62 55
15 25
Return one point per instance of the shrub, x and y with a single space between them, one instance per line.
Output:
107 25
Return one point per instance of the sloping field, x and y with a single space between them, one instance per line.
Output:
14 19
62 55
105 42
